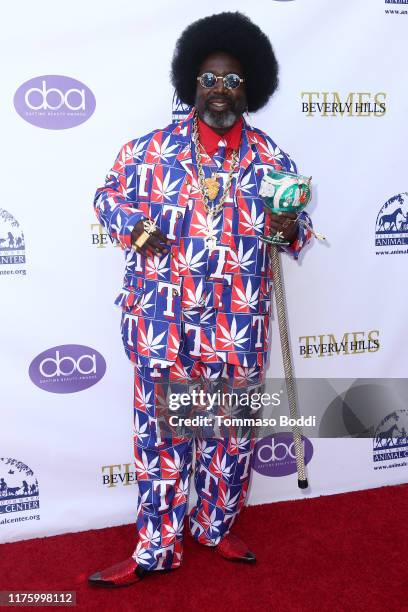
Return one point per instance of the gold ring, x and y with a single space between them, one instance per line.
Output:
144 237
149 226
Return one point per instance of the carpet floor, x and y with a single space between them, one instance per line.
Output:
339 552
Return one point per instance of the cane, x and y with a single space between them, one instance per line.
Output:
286 192
287 364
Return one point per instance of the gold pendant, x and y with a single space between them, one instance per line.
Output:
213 186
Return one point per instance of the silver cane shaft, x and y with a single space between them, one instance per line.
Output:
287 364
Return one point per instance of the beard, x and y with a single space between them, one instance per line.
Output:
221 119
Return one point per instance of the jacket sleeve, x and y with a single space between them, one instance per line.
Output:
114 209
304 234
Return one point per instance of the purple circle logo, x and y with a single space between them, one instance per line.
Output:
67 368
54 102
275 455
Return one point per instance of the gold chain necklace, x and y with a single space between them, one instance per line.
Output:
209 187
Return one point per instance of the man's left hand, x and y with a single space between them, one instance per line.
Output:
283 222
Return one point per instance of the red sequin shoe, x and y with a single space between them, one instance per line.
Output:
122 574
234 549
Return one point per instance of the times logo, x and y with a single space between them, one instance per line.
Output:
100 239
118 474
335 104
329 345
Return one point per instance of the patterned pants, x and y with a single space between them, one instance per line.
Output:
163 466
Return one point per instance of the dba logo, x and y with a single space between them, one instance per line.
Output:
54 102
275 455
67 368
391 227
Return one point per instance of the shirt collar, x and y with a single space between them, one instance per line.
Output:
210 140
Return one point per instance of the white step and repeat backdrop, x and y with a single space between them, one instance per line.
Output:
100 71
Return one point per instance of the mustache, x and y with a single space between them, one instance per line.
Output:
218 98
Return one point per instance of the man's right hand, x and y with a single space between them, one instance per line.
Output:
154 244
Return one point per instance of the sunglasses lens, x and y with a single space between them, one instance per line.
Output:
232 81
208 80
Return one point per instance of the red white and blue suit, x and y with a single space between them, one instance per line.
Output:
198 312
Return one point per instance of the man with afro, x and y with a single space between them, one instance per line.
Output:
183 202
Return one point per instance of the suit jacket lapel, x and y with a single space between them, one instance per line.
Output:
182 136
246 153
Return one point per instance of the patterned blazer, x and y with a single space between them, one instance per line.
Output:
155 176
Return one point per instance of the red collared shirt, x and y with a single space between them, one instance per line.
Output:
210 140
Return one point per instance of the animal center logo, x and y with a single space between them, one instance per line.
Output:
391 228
12 245
18 487
390 442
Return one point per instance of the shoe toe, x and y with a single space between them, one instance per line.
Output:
95 577
124 573
250 557
233 549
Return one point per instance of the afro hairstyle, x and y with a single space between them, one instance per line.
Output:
231 33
